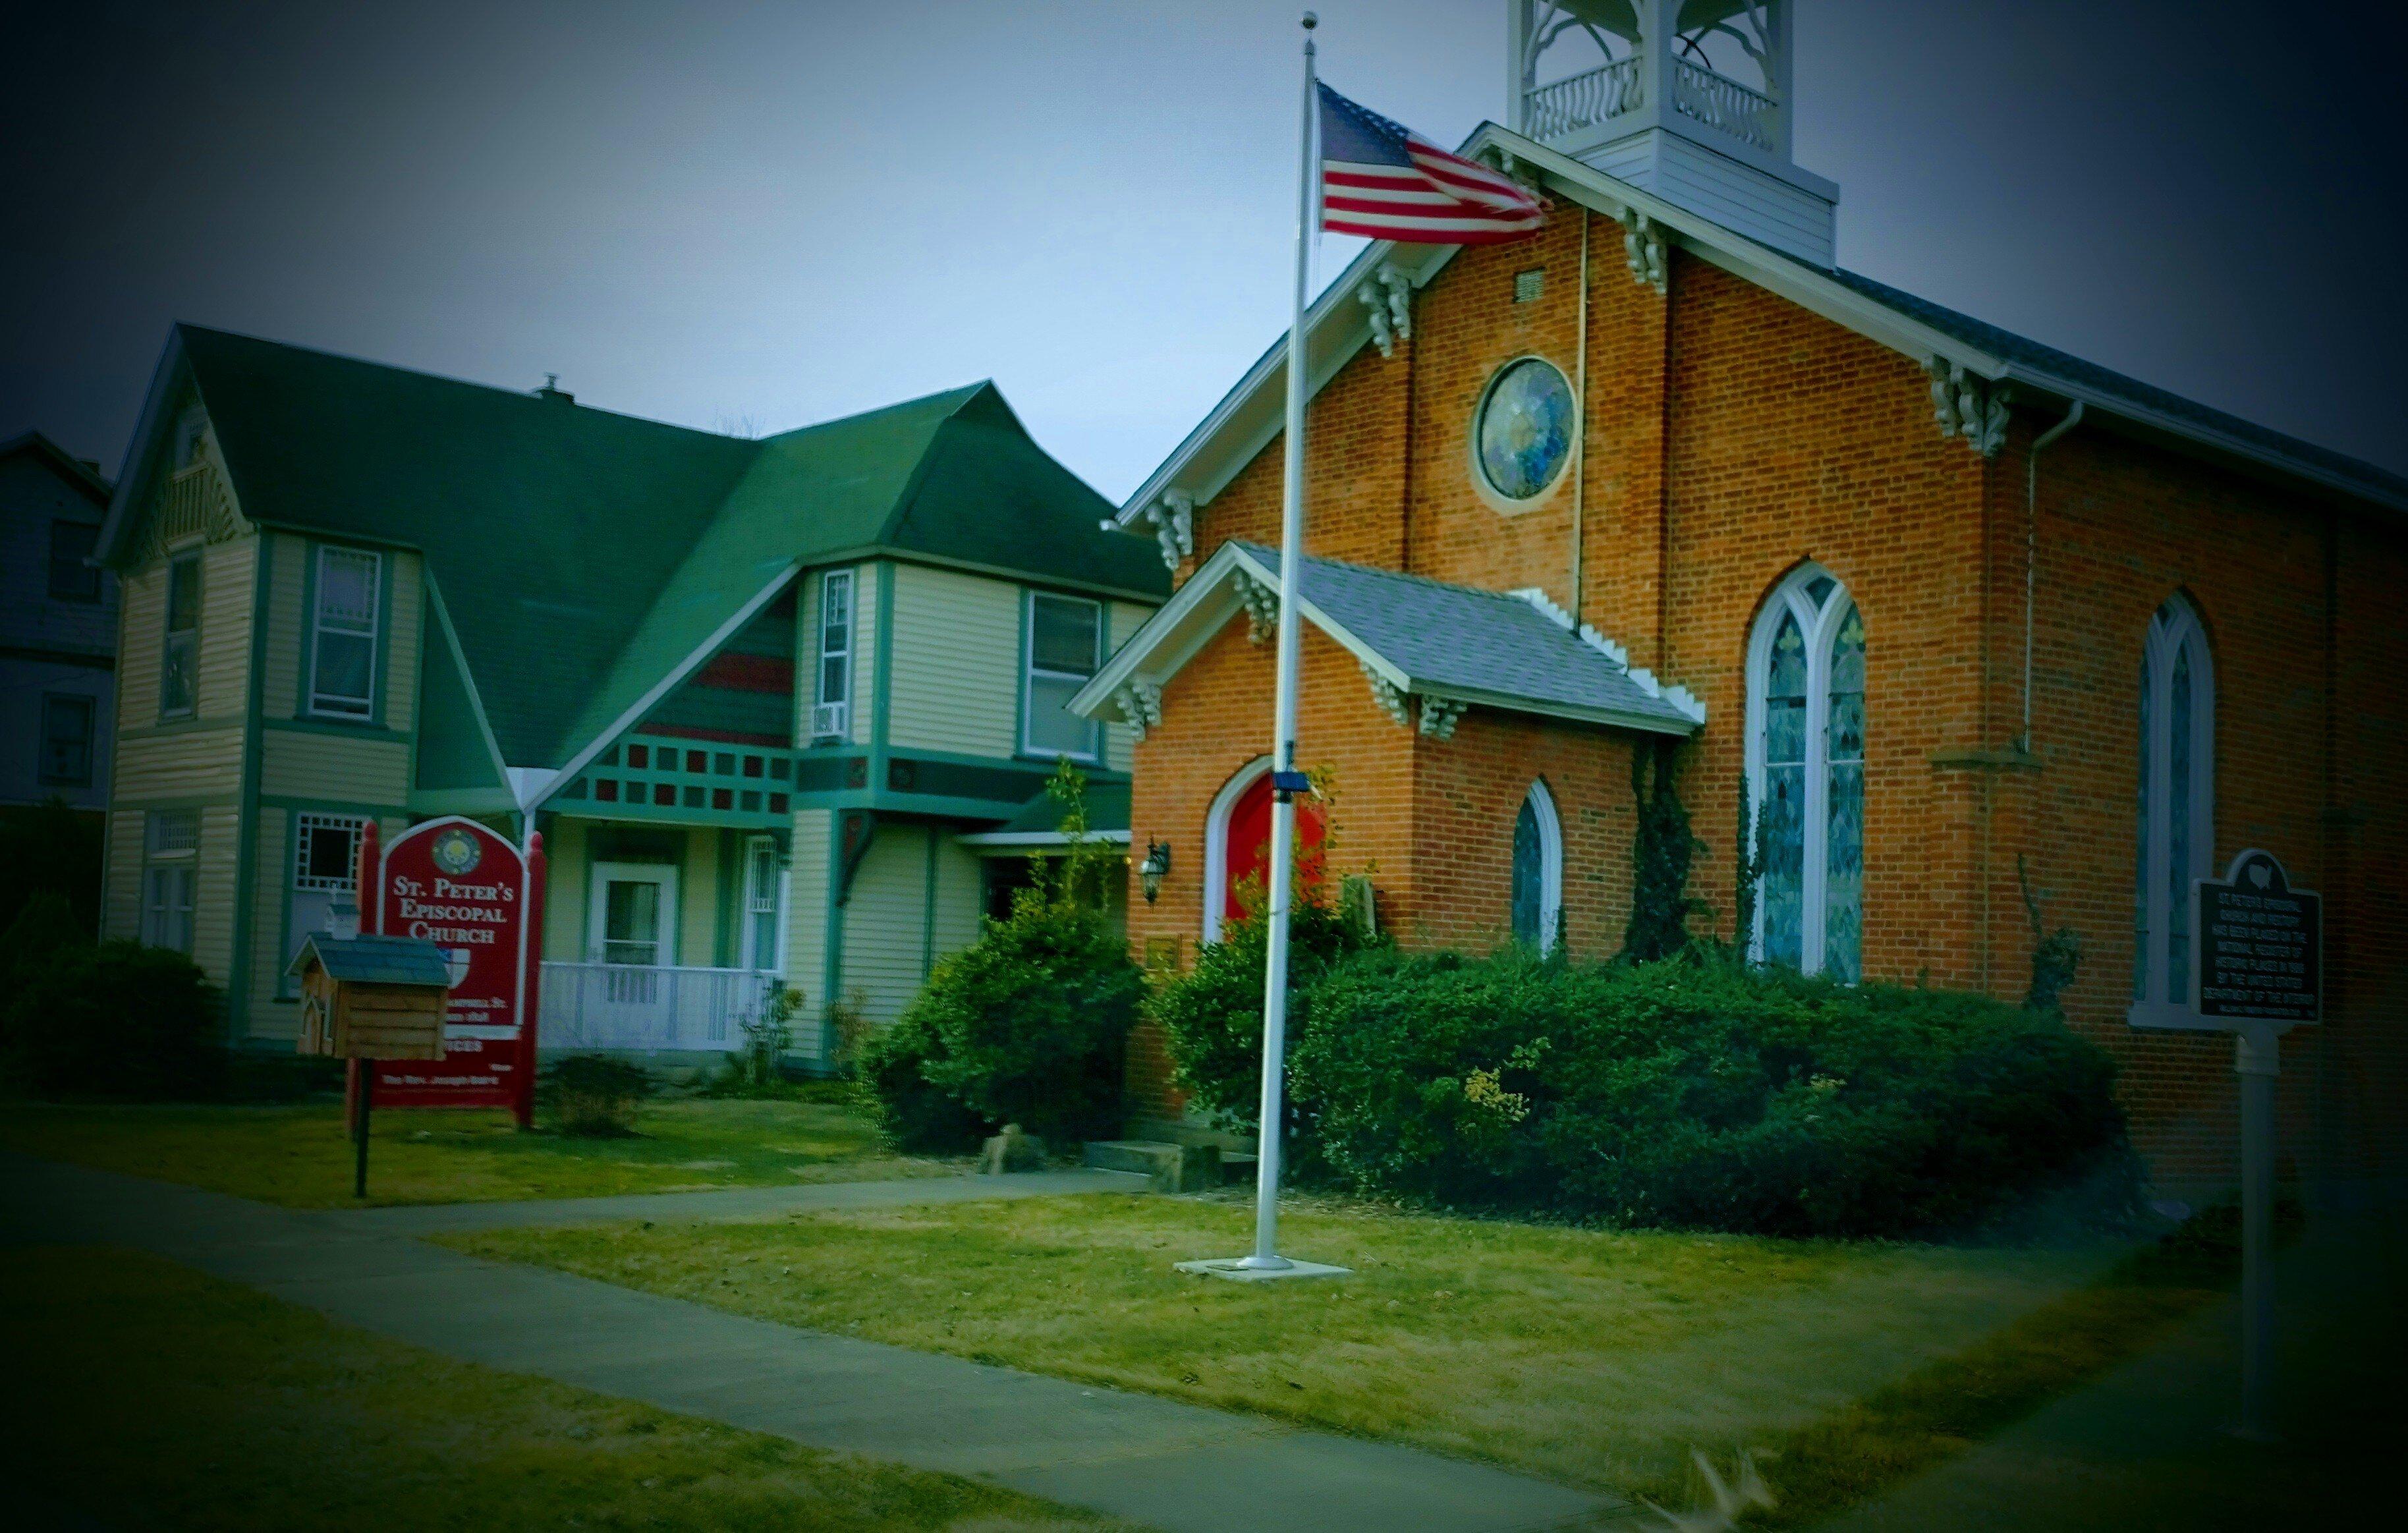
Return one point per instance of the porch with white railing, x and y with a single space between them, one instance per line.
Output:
628 1006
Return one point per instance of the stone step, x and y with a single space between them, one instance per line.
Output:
1172 1167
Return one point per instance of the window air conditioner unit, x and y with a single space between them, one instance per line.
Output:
831 719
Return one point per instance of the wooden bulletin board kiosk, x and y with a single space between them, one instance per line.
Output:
372 997
367 997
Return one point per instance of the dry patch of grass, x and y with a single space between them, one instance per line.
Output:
150 1395
299 1156
1592 1358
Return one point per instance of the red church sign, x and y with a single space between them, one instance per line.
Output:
456 884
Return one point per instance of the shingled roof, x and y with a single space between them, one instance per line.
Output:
1421 637
372 959
582 555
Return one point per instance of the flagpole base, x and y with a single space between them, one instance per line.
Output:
1242 1269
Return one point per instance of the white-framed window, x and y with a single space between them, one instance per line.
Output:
171 841
179 657
343 633
67 720
1064 646
2176 819
832 703
325 863
1806 775
1537 870
192 429
764 905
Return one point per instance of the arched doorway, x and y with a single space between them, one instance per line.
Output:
1237 843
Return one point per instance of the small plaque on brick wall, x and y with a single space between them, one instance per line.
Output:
2259 950
1162 955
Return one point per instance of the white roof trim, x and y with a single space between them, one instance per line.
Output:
1166 642
658 690
1210 456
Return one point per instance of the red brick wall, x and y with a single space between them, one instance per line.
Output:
1731 435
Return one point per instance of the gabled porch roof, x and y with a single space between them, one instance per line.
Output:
1415 638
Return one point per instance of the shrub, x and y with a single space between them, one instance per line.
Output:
1212 1016
1027 1024
1703 1094
758 1069
112 1019
594 1095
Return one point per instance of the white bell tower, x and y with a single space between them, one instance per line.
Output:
1686 99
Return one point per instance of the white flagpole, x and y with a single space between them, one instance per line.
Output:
1282 869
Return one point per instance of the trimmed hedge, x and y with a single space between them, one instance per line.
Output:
1689 1093
115 1019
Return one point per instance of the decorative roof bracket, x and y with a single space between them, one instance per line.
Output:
1173 520
1140 704
1262 606
1642 248
1387 296
1438 715
1395 704
1967 405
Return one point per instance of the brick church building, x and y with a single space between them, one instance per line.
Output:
1960 620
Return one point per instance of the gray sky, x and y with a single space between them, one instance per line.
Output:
751 217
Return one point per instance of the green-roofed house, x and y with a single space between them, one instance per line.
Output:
765 699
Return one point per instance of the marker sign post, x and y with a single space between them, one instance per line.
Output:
2258 971
459 885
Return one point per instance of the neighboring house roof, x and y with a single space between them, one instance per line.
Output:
1039 823
84 476
588 560
370 959
1336 326
1416 638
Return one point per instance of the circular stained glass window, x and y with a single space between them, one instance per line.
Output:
1525 430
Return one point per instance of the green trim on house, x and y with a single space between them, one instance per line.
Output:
471 802
881 673
832 957
454 668
928 911
363 730
328 806
245 873
186 726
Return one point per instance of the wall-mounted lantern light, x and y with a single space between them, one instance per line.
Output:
1150 872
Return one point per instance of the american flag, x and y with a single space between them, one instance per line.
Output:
1384 181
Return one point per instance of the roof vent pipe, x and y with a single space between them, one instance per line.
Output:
552 390
2031 553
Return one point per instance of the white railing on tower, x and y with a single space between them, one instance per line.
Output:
1721 102
1583 100
628 1006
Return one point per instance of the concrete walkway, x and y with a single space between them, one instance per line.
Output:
1177 1466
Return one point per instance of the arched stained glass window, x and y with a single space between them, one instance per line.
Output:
1806 774
2176 820
1537 870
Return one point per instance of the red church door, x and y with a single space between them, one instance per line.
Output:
1248 849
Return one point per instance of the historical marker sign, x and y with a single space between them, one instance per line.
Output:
460 886
2258 951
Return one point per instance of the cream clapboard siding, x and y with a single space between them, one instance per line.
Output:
955 675
806 921
213 892
884 922
1120 741
184 765
567 870
280 669
142 616
307 763
269 1016
961 883
229 598
404 629
698 875
866 619
121 909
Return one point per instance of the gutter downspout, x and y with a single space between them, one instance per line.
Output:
1580 456
2031 553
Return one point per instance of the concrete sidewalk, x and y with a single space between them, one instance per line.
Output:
1177 1466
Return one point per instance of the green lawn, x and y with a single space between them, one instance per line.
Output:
299 1156
149 1395
1591 1357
